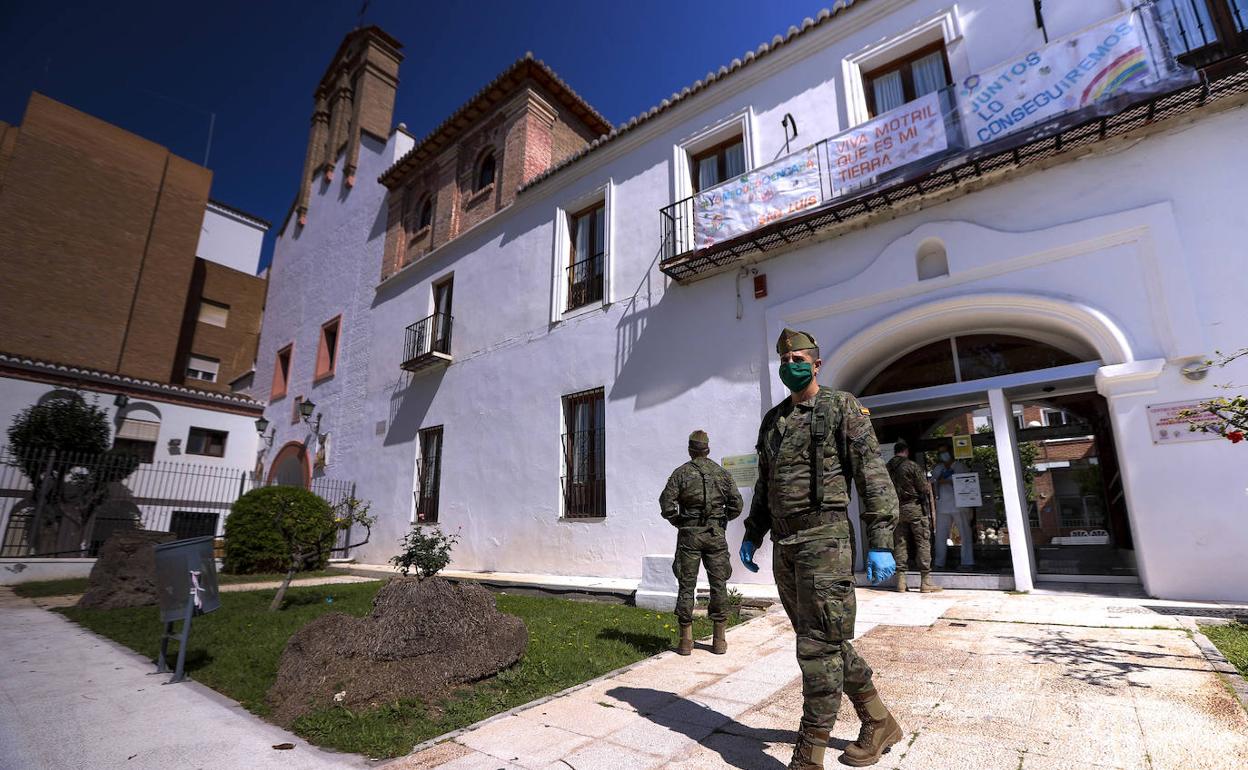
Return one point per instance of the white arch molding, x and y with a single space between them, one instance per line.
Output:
1078 329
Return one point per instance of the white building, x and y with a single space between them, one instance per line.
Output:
1075 267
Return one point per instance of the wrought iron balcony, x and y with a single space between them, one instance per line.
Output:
428 343
585 282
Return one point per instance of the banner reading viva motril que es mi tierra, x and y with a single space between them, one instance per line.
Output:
1103 61
763 196
897 138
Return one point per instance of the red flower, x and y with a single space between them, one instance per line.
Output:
1235 436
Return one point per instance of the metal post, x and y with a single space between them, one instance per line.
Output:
179 672
1013 491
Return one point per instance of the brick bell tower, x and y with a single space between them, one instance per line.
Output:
356 94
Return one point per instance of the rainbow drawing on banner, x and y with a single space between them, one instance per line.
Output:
1126 69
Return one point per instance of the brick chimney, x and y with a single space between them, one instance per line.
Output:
356 94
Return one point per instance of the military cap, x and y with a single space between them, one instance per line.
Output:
700 437
790 341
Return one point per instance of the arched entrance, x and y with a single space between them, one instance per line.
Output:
1032 488
291 467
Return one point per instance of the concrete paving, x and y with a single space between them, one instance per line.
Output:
71 699
979 680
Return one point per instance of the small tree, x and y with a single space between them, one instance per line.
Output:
62 445
306 543
1230 414
425 552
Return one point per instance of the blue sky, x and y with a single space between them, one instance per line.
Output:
162 69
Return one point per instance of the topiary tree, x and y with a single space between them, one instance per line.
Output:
287 529
62 445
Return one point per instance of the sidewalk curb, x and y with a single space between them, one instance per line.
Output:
1229 674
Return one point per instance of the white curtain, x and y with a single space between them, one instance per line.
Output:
734 158
888 92
708 172
929 74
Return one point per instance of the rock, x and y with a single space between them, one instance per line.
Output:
124 575
422 638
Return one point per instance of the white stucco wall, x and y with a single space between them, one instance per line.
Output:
328 268
231 240
1139 235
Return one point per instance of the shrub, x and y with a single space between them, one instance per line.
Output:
425 552
253 531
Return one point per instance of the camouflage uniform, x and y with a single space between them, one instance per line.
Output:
699 500
814 555
915 523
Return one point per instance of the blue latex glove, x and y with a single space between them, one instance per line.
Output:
747 556
880 566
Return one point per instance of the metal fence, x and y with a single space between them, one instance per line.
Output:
63 505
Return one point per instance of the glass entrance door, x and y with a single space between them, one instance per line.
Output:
965 504
1078 514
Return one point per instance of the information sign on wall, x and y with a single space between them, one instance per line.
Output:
962 449
1169 427
1106 60
743 469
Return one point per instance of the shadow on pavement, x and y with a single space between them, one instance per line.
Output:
702 724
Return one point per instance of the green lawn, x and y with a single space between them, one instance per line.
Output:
1232 641
236 649
65 586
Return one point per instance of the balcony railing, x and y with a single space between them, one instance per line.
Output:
428 343
1200 32
585 282
819 191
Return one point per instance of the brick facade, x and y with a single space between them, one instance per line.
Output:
98 234
526 118
355 97
234 345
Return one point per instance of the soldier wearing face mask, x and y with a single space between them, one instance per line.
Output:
811 446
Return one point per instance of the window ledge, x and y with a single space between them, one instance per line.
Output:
421 233
582 310
479 195
582 519
318 379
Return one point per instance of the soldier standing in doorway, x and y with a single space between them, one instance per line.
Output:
915 523
810 447
699 500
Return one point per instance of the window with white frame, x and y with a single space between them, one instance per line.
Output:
202 368
907 78
582 254
909 64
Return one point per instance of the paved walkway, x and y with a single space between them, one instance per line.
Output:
71 699
979 680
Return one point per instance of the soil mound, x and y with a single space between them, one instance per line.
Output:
124 575
422 638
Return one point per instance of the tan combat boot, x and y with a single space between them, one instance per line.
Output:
808 753
720 645
686 640
879 730
901 582
927 586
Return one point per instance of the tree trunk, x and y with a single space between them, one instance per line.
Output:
296 560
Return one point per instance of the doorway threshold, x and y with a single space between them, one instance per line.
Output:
974 581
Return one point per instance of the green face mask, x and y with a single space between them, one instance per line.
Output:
796 375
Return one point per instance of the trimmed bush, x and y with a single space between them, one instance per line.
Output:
253 539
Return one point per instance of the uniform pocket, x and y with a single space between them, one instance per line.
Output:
837 605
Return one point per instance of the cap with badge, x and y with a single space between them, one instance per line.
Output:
791 341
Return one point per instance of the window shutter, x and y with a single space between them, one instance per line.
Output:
139 430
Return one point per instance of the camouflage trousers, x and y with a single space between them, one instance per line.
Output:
702 545
914 529
816 584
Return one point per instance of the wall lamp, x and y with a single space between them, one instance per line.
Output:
261 426
121 400
306 408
